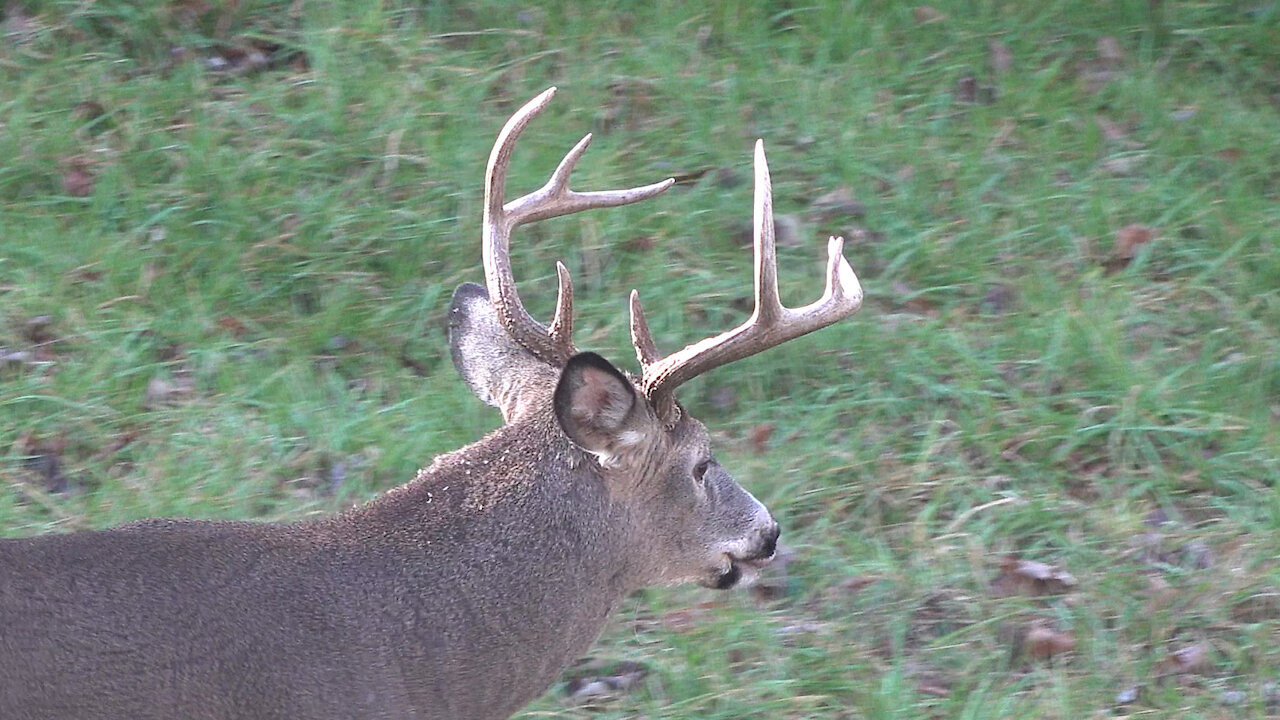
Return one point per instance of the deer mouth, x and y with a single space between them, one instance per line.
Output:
741 570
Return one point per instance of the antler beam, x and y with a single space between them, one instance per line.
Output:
771 324
554 344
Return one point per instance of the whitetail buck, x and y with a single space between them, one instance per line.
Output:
459 595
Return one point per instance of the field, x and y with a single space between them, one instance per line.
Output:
1035 477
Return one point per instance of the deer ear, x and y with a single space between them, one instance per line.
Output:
495 367
597 406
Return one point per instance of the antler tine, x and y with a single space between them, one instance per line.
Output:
771 324
554 344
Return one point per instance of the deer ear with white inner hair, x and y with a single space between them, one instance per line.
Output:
499 371
597 406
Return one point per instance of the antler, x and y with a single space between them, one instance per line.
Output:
771 324
554 344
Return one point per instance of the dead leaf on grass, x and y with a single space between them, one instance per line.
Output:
838 205
1190 660
1110 50
1129 240
612 682
38 330
1230 154
162 392
925 14
1028 577
1044 643
19 25
77 182
999 56
758 438
44 458
1122 165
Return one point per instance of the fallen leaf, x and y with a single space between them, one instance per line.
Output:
1122 165
640 243
1110 51
1044 643
611 684
1111 130
838 205
44 458
723 398
15 358
998 299
787 230
161 391
927 14
1127 696
77 182
38 330
1190 660
1129 239
1231 154
758 438
233 325
999 56
857 583
966 89
1028 577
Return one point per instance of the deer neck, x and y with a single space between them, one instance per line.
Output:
513 522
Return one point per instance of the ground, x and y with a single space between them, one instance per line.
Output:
1034 477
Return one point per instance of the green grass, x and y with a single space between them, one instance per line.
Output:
278 244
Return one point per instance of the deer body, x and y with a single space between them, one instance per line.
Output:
458 596
415 605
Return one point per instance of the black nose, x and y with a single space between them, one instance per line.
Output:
770 541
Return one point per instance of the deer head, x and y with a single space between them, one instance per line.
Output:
690 521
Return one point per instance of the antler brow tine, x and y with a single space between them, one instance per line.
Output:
770 324
553 345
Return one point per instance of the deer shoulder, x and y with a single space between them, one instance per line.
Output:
459 595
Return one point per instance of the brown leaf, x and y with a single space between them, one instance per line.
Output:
1043 642
87 110
1122 165
233 325
613 682
19 25
1110 51
1112 130
685 619
998 299
1231 154
77 182
857 583
640 243
999 56
787 230
44 458
758 438
1129 239
1028 577
927 14
967 89
838 205
915 302
38 330
1190 660
161 391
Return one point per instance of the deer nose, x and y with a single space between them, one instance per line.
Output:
770 545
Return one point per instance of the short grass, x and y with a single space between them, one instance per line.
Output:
223 278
